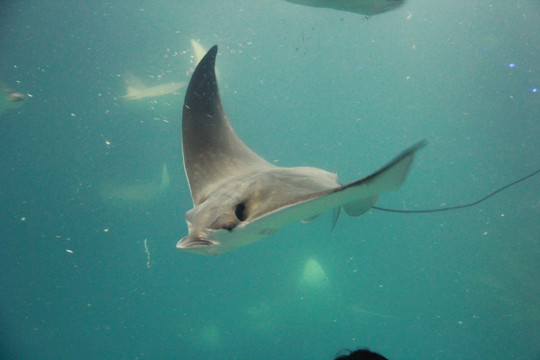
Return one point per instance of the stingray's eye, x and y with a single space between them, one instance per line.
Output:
240 212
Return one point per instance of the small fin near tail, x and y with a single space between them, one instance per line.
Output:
358 207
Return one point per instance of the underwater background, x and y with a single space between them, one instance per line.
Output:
88 262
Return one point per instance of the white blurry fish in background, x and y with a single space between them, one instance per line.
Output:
137 90
9 99
136 192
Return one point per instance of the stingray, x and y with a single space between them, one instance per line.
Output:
240 198
364 7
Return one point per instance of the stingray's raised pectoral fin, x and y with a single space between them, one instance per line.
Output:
355 197
212 151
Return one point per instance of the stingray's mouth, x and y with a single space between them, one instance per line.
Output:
194 242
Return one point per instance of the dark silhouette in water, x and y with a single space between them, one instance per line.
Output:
360 354
364 7
459 206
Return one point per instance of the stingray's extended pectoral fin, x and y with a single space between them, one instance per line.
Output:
389 177
361 192
364 193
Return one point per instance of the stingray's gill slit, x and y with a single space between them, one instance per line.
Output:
456 207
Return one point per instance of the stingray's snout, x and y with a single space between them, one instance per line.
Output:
193 242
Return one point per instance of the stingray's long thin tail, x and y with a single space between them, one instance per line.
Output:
447 208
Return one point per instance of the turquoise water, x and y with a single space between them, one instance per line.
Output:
301 86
